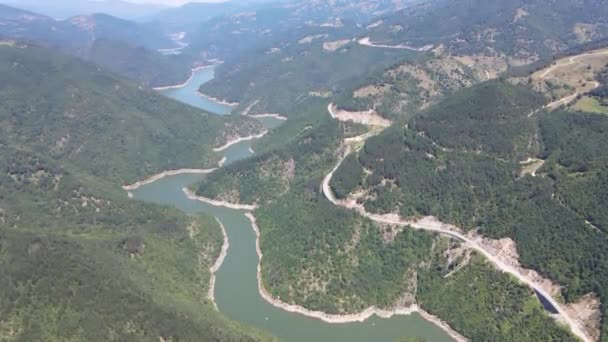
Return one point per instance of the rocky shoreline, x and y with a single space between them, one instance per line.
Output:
348 318
191 195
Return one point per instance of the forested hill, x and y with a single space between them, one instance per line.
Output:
103 26
466 162
80 29
276 80
492 117
79 260
80 114
68 8
248 28
125 47
329 258
521 29
280 54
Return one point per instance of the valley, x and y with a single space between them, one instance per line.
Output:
358 170
432 224
255 306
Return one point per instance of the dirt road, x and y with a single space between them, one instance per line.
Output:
434 225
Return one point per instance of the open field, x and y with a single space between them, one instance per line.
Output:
570 76
589 104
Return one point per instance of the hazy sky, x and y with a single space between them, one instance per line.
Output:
171 2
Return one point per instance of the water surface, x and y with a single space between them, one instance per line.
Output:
189 93
236 291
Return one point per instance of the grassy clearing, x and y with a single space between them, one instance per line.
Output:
570 75
590 105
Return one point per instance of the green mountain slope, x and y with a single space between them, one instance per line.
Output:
477 180
328 258
122 46
522 30
268 175
275 80
331 259
492 117
78 259
253 26
138 63
73 111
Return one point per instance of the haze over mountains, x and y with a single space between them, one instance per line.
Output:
524 30
481 123
123 46
63 9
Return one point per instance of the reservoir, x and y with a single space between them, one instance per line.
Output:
236 291
189 92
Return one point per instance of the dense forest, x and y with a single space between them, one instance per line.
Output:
125 47
522 30
331 259
491 117
401 91
74 111
268 175
295 72
556 218
106 285
78 259
485 304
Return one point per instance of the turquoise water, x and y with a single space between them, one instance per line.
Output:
189 93
238 151
236 291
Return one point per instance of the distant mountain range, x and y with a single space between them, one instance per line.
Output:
129 48
525 30
62 9
79 30
70 135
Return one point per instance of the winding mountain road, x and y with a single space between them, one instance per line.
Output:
571 60
434 225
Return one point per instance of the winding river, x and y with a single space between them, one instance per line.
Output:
189 92
236 292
